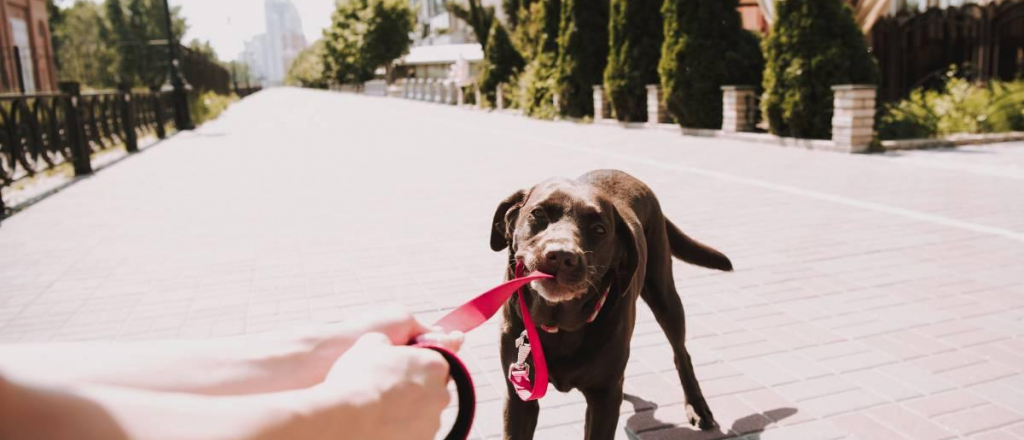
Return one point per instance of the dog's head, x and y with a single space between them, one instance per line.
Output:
572 231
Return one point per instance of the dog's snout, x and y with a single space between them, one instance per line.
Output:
562 258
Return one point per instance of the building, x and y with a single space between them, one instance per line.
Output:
27 61
444 47
270 54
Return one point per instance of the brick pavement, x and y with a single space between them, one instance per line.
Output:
875 297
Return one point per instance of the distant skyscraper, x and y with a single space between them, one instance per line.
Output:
269 55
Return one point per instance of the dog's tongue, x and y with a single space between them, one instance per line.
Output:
549 329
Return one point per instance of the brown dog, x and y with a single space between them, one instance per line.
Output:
607 242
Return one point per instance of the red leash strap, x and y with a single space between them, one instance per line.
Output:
470 316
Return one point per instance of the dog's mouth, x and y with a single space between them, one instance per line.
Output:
555 294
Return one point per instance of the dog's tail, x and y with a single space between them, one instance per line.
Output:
694 252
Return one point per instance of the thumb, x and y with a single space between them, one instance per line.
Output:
371 340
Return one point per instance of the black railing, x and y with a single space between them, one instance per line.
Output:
41 132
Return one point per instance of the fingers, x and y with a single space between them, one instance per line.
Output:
449 341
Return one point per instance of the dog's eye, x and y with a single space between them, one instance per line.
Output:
599 229
537 213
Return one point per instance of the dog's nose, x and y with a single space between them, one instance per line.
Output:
562 258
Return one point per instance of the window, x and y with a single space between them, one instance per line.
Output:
23 50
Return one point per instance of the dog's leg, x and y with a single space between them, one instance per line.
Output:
602 412
520 417
660 294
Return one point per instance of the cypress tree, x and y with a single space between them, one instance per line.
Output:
635 37
539 77
705 48
814 45
582 54
501 60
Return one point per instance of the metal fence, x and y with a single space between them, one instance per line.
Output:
41 132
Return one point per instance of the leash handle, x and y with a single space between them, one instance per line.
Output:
465 390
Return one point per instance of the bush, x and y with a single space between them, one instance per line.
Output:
635 38
814 45
501 61
958 107
705 48
582 54
209 105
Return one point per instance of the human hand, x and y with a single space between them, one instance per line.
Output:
398 392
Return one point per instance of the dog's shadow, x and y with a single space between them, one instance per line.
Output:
642 425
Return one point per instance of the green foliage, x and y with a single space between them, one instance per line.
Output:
80 47
308 68
501 61
582 54
209 105
635 38
705 48
364 36
480 18
102 44
814 45
958 107
539 38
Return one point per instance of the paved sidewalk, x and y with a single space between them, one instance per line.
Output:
875 297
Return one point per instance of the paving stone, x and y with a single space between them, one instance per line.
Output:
875 296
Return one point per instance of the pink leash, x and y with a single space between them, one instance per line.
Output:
470 316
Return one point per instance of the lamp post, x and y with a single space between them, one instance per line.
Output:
182 118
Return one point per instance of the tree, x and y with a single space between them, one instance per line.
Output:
365 35
81 51
705 48
582 54
635 38
814 45
308 68
501 60
538 81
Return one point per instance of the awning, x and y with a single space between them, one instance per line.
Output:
442 54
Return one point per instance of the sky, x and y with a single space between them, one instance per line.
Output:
227 24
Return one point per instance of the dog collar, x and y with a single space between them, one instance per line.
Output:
591 318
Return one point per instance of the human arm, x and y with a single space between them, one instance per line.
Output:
248 364
375 390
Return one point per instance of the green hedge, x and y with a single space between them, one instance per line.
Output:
814 45
705 48
635 38
582 54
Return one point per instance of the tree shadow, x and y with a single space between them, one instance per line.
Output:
644 426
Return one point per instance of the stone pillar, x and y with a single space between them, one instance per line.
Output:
598 103
405 87
499 97
738 108
421 89
478 96
451 93
853 117
655 105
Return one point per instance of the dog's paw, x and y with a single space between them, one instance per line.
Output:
702 418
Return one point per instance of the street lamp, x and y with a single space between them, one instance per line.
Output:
182 118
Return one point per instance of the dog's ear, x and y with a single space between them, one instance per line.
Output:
505 219
630 232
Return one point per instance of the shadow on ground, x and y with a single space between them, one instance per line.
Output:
643 425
